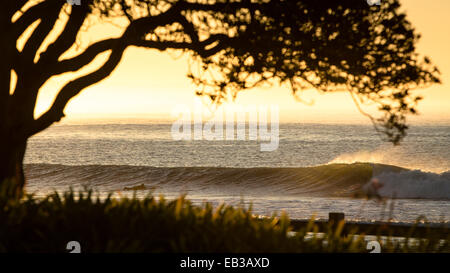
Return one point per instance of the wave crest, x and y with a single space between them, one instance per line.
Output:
334 180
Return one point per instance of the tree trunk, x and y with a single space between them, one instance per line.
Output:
12 179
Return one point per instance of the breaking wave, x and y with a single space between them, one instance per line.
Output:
334 180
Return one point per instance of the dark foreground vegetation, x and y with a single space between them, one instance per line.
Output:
158 225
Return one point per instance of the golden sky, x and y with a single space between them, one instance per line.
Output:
149 83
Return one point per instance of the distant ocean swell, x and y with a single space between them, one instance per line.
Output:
331 180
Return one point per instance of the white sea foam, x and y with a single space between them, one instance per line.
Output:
414 184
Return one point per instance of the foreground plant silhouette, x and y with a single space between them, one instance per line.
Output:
159 225
327 45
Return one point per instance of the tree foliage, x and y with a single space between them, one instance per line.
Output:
234 44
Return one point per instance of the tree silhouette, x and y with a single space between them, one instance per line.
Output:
236 44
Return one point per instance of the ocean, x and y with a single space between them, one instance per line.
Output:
317 168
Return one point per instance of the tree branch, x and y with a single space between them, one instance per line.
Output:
9 8
83 59
68 36
133 33
198 47
39 34
73 88
31 15
16 5
189 28
132 36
